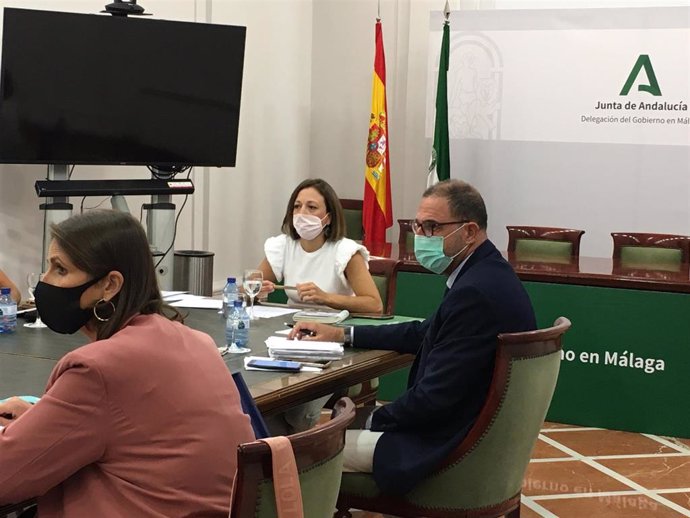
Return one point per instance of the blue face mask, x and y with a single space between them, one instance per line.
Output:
429 252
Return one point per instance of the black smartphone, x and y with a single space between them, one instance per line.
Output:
280 365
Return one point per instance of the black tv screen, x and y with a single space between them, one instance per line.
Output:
97 89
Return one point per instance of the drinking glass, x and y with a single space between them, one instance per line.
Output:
32 281
251 282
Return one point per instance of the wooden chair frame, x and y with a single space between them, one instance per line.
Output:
569 235
641 239
388 268
310 447
405 226
510 346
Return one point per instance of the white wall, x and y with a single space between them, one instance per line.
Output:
305 110
233 210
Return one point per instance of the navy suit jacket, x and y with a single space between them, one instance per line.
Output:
449 380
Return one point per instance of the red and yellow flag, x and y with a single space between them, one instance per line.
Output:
377 213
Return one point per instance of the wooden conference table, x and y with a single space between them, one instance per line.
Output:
626 359
28 356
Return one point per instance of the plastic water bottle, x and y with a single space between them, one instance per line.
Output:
241 323
231 327
237 326
230 293
8 312
242 333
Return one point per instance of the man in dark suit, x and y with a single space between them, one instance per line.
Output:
455 347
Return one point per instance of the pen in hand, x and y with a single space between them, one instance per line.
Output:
303 332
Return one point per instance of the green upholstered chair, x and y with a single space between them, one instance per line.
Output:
668 252
544 244
483 476
319 458
352 210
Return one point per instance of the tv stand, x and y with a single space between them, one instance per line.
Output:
160 229
160 220
56 208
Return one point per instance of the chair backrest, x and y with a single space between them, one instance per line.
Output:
384 271
490 463
406 235
548 244
319 458
654 251
352 210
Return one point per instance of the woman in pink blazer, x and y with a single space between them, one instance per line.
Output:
143 421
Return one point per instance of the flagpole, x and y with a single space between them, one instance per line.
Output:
439 165
377 214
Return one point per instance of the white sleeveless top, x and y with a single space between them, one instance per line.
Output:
325 267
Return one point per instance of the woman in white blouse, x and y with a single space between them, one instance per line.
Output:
326 269
313 255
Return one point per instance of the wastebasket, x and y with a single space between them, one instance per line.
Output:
193 272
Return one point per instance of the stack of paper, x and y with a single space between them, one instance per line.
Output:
281 348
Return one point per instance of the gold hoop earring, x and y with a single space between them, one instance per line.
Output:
102 303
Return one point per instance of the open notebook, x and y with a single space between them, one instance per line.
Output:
321 315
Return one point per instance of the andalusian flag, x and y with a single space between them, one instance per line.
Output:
377 213
439 166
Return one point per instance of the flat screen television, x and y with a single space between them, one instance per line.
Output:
98 89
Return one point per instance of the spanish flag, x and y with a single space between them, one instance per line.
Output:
377 213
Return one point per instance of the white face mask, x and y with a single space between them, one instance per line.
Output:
308 226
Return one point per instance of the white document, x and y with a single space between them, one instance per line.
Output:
195 301
272 311
171 294
282 343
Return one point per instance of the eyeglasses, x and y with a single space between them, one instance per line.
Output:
428 227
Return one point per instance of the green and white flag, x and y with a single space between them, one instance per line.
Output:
439 166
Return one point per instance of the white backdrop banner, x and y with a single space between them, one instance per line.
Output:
574 75
573 118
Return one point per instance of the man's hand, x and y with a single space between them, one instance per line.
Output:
314 331
12 409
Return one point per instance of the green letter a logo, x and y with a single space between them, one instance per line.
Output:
653 87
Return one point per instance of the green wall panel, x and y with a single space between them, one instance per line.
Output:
595 386
601 390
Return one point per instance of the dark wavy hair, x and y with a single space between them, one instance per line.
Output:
101 241
335 230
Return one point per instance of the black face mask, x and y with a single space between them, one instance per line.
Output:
59 307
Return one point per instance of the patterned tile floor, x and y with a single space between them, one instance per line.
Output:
582 472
